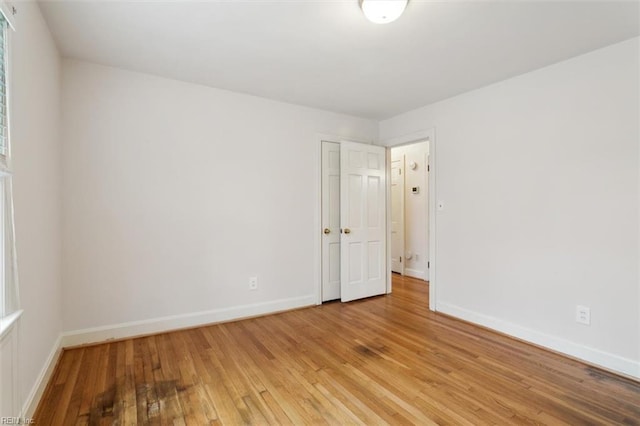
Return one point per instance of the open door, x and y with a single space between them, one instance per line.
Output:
363 221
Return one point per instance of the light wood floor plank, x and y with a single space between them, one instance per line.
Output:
383 360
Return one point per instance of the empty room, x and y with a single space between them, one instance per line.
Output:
334 212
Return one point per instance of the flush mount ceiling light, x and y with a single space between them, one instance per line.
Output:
383 11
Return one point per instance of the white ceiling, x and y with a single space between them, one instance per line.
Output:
325 54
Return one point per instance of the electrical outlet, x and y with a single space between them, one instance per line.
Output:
583 315
253 283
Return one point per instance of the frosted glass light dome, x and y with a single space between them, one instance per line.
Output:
383 11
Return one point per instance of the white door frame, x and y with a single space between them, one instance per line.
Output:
407 140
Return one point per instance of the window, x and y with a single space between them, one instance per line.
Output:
9 300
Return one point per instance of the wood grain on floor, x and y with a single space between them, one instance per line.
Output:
383 360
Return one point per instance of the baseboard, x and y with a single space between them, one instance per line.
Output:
176 322
31 403
593 356
414 273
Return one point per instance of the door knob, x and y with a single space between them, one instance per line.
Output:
327 231
347 230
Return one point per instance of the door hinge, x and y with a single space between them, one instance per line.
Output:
428 264
400 259
428 167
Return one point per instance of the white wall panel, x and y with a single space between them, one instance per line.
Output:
175 194
539 178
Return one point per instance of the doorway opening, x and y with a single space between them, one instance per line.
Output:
424 267
409 201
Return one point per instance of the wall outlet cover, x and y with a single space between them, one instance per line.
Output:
253 283
583 315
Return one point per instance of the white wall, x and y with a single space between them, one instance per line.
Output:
175 194
35 121
539 175
416 213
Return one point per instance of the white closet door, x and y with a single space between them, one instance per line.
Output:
363 220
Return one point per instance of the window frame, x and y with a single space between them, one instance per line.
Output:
10 309
5 157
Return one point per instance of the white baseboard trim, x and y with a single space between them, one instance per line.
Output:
415 273
31 403
175 322
593 356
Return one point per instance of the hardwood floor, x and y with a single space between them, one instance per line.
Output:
382 360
